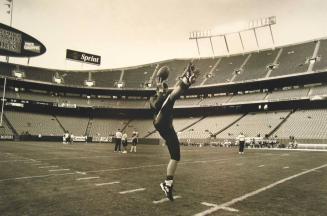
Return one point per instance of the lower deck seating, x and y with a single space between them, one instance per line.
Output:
305 124
5 129
75 125
254 124
34 124
208 126
179 124
105 127
142 126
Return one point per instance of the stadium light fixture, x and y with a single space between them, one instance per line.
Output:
57 80
148 85
265 107
253 26
89 83
18 74
120 84
313 60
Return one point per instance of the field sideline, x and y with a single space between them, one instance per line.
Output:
43 178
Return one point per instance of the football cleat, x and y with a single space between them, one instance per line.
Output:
168 191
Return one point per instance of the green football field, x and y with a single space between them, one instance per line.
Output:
42 178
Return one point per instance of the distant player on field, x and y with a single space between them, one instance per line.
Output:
241 143
118 137
134 141
162 107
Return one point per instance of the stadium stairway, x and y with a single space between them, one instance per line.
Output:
209 74
185 128
89 126
62 127
152 78
147 135
11 127
228 126
281 123
188 126
125 126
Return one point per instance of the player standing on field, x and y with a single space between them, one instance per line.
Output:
124 142
134 141
118 137
162 107
241 143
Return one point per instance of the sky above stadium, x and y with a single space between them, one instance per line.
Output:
133 32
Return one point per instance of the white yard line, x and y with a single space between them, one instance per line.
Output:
132 191
155 165
58 170
245 196
17 160
132 168
286 149
87 178
43 167
32 177
32 162
215 205
165 200
107 183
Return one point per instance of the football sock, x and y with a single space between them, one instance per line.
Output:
169 180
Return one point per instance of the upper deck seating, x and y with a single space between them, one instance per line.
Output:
257 66
294 59
138 77
177 68
205 65
226 69
321 64
106 78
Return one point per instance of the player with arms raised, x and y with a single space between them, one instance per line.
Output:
162 107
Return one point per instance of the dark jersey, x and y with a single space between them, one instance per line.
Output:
157 101
161 102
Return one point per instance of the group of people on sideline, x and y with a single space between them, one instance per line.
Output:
121 141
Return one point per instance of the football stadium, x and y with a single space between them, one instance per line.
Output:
100 100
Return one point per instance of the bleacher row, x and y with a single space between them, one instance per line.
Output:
293 59
288 94
303 124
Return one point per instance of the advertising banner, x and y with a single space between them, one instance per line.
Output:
83 57
15 43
